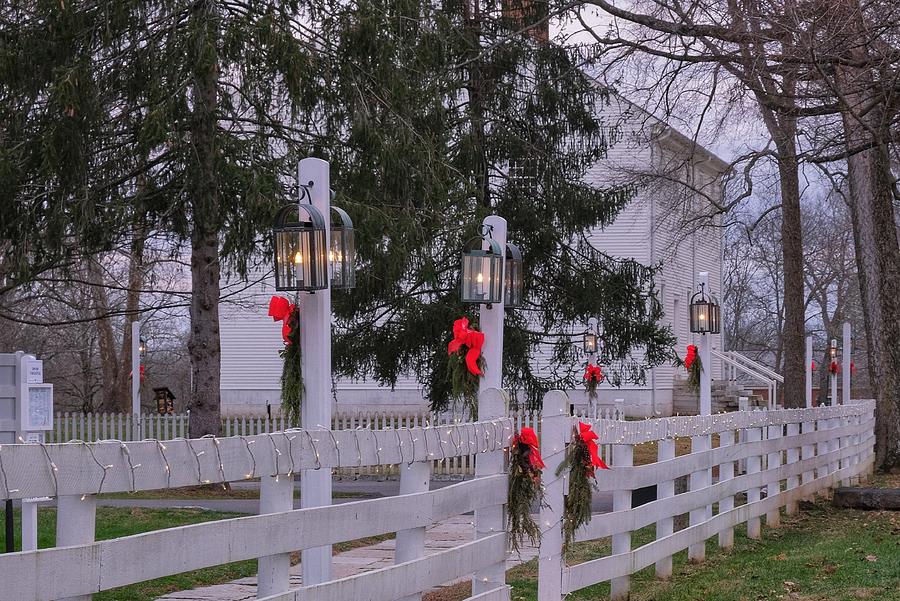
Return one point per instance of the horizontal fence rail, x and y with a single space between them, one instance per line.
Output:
93 427
78 468
745 465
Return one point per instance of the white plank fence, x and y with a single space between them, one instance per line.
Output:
75 472
835 443
788 454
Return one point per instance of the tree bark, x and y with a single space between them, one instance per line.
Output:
132 304
204 345
875 236
106 339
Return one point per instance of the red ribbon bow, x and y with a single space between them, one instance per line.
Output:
589 436
834 367
463 335
852 368
280 309
813 366
691 355
593 373
530 439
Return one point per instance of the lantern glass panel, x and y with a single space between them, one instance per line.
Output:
342 256
513 277
481 277
590 342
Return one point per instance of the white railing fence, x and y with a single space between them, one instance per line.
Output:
789 454
92 427
74 473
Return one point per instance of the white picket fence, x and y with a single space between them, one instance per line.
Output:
92 427
789 454
74 473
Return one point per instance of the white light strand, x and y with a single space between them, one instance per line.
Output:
6 487
312 443
247 444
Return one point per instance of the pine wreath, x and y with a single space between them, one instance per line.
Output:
593 375
525 468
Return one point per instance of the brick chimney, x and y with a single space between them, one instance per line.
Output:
520 13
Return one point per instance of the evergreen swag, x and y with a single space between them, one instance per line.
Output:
525 465
281 309
581 461
465 365
693 366
593 375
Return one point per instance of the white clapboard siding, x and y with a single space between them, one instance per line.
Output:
119 562
52 470
843 437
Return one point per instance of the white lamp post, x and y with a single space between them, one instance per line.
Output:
846 359
832 357
591 348
136 380
705 318
809 371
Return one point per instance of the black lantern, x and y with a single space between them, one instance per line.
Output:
142 347
342 255
300 254
482 272
705 313
512 294
590 342
833 350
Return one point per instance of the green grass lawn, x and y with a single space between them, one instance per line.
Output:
822 554
113 522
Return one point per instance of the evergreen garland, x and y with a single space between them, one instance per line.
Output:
525 465
580 461
463 384
292 371
693 365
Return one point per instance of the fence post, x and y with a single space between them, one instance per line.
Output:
623 456
754 465
773 486
414 478
698 481
793 456
76 517
490 520
556 430
276 494
726 503
665 490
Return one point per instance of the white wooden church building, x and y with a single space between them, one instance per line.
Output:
657 226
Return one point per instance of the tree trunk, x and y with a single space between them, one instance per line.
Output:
875 236
106 339
793 334
132 304
204 345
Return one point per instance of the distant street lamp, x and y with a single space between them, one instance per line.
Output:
142 347
482 271
705 313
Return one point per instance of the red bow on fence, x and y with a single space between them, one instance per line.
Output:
463 335
593 373
589 436
691 355
813 365
280 309
852 368
834 368
530 439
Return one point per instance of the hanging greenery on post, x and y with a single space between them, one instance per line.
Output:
281 309
582 459
593 375
525 465
465 365
693 366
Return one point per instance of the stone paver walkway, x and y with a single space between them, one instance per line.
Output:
443 535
